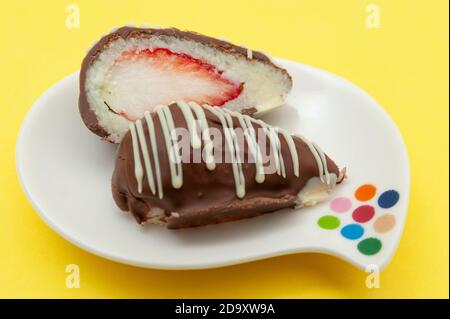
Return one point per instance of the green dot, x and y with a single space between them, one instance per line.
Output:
329 222
369 246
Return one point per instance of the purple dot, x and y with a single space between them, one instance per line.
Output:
340 204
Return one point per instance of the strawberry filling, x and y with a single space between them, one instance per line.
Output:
138 81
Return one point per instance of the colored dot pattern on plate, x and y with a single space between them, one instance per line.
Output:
384 223
329 222
369 246
361 215
352 231
388 199
365 192
340 204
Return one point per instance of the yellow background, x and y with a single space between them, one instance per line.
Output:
403 64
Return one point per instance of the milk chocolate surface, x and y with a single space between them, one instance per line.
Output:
209 196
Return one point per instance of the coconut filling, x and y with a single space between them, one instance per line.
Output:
155 215
118 94
317 191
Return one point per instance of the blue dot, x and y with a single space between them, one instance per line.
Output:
388 199
352 231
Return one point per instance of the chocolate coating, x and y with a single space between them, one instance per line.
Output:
88 115
208 197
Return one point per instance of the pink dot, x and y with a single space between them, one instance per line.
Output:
340 204
363 213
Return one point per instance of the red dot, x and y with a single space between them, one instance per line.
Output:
363 213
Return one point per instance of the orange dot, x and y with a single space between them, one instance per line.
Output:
365 192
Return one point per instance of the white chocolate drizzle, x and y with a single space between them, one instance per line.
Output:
146 155
275 146
326 175
168 127
249 52
209 146
138 171
152 135
294 156
227 125
191 124
250 135
194 115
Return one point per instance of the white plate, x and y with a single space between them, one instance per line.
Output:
65 171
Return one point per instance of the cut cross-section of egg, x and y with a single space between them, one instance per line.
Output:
132 70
